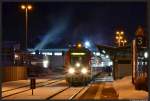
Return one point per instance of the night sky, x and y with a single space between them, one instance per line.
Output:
57 24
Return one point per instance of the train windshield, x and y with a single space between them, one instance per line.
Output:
79 58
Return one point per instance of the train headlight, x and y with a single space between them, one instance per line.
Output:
77 64
84 70
71 70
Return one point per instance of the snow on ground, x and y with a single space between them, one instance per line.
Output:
126 89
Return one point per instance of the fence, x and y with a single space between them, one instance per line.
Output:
13 73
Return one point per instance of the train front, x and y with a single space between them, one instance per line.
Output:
78 67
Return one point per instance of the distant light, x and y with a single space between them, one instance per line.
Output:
84 70
58 53
146 54
104 51
146 63
47 53
45 63
110 63
16 56
74 45
97 53
32 53
102 64
77 53
117 32
107 56
29 7
142 63
122 32
87 44
79 45
23 6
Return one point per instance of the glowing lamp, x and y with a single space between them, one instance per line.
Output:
23 6
79 45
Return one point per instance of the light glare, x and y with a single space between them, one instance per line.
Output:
77 64
71 70
58 53
79 45
45 63
146 54
29 7
117 32
23 6
87 44
84 70
77 53
16 56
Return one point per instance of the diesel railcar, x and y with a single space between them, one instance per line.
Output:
78 66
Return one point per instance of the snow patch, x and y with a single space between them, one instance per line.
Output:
126 89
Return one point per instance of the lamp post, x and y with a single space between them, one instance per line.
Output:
26 8
124 41
119 37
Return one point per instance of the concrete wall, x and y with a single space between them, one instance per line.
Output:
13 73
123 70
122 67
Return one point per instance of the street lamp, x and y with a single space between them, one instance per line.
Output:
124 41
87 44
119 37
26 8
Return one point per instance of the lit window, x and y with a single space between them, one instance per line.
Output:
58 53
47 53
33 53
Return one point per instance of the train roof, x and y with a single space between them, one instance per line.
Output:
81 49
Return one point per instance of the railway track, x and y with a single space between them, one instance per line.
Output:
73 96
25 88
72 92
26 85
